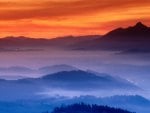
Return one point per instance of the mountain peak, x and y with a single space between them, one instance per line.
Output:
140 25
139 30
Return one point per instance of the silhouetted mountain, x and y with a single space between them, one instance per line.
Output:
132 39
127 40
139 32
84 108
21 42
7 43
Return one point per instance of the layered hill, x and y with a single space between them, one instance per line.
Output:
66 82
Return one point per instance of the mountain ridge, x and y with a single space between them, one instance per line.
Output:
22 41
133 39
137 32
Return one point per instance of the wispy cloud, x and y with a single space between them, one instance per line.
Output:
75 14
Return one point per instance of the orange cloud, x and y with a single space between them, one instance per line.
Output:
50 18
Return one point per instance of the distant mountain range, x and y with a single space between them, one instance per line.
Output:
87 81
29 44
65 81
18 72
127 40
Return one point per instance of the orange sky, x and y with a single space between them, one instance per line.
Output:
52 18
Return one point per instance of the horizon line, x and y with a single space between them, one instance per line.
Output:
55 37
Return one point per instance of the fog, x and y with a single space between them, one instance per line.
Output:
81 59
133 67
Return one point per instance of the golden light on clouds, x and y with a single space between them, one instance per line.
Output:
51 18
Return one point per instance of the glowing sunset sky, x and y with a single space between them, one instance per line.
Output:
50 18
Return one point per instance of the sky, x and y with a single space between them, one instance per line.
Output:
56 18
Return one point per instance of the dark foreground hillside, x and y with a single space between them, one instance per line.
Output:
85 108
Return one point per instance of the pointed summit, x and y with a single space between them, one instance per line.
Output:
140 25
139 31
132 39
